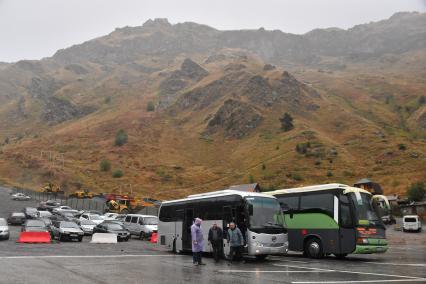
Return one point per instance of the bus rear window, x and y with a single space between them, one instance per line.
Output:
410 220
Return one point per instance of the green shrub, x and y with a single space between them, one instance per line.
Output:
117 173
296 177
416 191
107 100
121 138
329 174
150 106
263 167
286 122
105 165
251 179
402 147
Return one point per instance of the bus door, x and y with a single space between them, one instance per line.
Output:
347 231
227 218
186 230
179 229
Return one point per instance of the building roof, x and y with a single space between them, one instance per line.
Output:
250 187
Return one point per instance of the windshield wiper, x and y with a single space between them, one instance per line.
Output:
270 224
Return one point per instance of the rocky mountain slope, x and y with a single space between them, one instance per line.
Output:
216 97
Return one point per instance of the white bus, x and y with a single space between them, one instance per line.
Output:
258 216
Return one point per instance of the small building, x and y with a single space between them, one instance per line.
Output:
251 187
393 199
369 185
414 208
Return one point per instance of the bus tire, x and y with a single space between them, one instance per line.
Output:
261 257
313 248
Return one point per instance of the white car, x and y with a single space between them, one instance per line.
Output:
44 214
411 223
110 216
87 226
92 217
63 208
20 197
4 229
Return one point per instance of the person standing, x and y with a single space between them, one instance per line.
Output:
197 241
216 239
235 240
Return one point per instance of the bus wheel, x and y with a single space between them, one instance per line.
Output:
261 257
340 255
313 248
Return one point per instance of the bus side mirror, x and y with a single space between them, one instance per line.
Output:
250 209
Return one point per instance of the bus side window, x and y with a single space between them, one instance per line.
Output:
345 212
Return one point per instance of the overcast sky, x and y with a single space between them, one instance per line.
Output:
32 29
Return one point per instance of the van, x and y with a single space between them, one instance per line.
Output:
141 225
411 223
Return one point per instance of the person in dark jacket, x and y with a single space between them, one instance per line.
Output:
235 240
216 239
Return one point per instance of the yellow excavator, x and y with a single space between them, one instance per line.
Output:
82 194
51 188
126 205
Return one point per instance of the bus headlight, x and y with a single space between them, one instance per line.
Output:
362 241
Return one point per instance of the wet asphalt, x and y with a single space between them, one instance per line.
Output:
139 261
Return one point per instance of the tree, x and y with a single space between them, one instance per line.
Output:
117 173
150 106
251 179
121 138
286 122
416 191
105 165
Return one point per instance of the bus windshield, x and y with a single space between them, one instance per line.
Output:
266 214
364 213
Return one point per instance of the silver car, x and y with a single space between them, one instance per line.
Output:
4 229
66 230
20 197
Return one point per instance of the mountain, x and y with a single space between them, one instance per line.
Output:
202 108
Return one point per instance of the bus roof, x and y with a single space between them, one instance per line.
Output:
319 187
225 192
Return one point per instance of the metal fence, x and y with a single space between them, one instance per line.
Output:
95 203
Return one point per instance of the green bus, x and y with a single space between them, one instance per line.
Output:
332 219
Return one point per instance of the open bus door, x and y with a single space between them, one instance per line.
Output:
186 230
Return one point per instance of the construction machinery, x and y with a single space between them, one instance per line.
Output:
125 204
50 187
82 194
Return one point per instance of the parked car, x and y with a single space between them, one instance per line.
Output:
31 213
49 205
34 226
110 216
4 229
44 214
20 197
87 226
68 215
48 222
388 220
411 223
141 225
16 218
63 208
111 227
92 217
66 230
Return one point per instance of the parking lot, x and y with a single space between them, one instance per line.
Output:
139 261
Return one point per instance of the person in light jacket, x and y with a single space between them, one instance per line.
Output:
197 241
235 240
